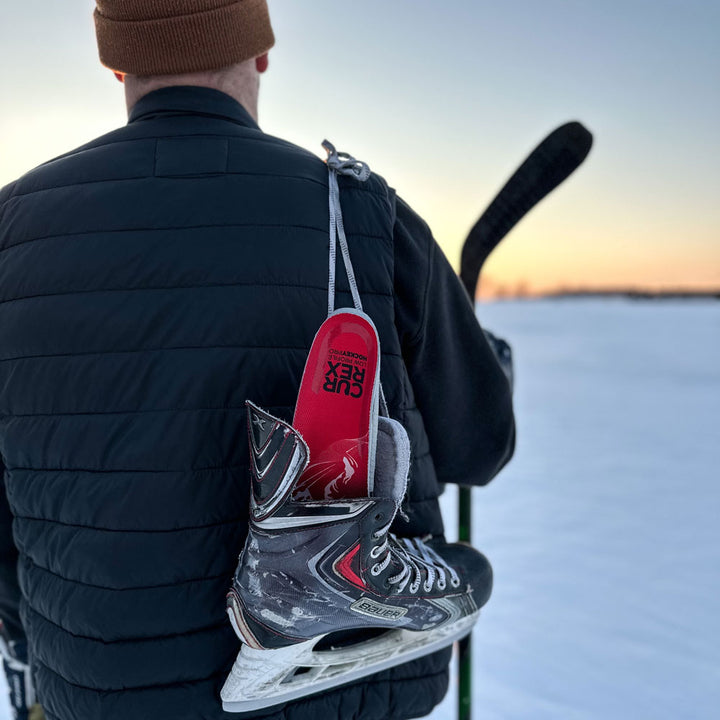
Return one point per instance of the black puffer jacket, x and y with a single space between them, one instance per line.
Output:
150 282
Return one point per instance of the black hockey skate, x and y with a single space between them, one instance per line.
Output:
311 569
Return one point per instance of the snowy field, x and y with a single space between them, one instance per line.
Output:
605 530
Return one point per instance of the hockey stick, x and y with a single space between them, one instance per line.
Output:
547 166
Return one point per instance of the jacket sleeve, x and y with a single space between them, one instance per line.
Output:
461 391
9 588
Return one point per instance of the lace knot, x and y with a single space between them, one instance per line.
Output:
344 164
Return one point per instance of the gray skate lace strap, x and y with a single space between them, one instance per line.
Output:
343 164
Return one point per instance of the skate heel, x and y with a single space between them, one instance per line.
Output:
252 633
238 622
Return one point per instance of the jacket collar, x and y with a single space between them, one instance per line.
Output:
189 100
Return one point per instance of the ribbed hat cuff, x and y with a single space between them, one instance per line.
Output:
187 43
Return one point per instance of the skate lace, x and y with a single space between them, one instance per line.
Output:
341 164
415 557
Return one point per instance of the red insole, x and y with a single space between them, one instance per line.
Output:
334 406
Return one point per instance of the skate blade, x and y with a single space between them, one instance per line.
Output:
263 678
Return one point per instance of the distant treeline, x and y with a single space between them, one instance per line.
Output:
634 294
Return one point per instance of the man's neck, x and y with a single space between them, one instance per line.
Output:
241 82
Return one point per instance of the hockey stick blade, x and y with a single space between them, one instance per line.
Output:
547 166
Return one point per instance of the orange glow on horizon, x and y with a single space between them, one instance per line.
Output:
492 289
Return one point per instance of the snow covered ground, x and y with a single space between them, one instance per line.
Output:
605 530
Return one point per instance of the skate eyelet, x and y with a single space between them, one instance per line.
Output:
441 586
375 555
455 582
379 517
375 570
426 588
414 588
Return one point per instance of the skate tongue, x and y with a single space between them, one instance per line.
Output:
392 460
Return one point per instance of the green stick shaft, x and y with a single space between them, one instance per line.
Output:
465 645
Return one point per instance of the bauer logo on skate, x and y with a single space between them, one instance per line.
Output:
376 610
345 373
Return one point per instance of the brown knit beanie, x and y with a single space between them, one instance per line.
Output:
172 37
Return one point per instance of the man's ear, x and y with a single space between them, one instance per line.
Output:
120 77
261 63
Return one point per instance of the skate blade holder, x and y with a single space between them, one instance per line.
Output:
263 678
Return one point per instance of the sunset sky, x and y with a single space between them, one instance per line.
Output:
445 99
